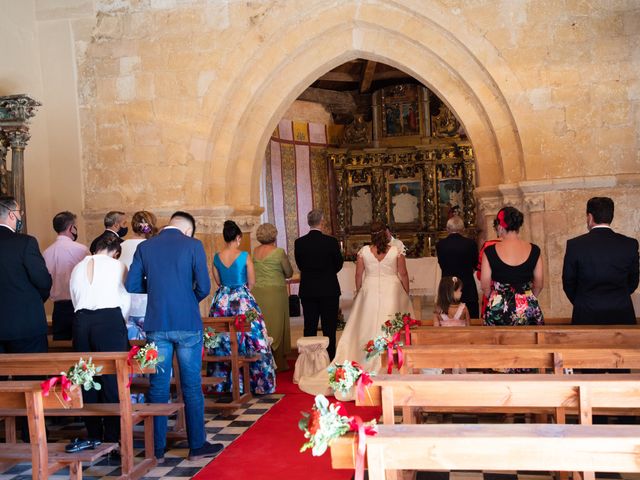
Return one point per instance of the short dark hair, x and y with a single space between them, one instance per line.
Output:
63 220
513 219
230 230
108 243
601 208
7 203
186 216
111 218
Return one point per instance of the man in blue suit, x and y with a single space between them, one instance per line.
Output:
172 269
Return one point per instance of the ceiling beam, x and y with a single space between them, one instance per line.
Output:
367 76
340 77
334 101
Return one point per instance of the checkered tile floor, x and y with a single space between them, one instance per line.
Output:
220 429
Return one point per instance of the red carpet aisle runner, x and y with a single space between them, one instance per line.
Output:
270 448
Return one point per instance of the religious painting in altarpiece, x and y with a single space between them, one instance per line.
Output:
414 190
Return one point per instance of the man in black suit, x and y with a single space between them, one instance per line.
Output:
24 285
115 225
319 260
600 270
457 257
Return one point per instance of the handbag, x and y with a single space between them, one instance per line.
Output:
294 306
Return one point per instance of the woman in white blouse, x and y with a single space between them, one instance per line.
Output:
143 224
101 304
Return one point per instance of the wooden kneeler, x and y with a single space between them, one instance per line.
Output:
238 363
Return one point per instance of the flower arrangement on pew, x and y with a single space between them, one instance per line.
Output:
398 323
328 421
210 339
243 320
147 356
343 377
80 374
381 344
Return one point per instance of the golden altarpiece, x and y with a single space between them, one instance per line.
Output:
410 167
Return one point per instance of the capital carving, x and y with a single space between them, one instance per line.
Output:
18 137
534 203
17 108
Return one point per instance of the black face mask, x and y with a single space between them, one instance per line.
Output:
122 232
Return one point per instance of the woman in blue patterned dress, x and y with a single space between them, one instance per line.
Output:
233 272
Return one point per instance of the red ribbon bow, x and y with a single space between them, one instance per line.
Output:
363 381
391 344
356 424
132 353
65 386
239 323
408 323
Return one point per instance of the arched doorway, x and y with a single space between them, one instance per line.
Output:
419 44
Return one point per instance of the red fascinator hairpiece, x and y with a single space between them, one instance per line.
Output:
501 220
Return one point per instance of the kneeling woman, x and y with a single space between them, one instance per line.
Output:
101 304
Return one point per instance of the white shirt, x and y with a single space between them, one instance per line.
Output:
138 300
107 288
128 249
61 256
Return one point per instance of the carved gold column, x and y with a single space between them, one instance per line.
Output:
16 112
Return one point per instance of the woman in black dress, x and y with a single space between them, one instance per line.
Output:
512 274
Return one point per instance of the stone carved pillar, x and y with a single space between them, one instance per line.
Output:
18 139
15 113
4 174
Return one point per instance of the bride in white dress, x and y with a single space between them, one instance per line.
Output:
382 287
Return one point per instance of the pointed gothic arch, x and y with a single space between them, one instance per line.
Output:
474 83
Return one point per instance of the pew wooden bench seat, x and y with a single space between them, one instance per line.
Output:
46 458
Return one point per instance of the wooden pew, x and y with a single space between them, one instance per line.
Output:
528 335
533 447
46 458
492 392
476 322
522 447
50 364
238 364
550 357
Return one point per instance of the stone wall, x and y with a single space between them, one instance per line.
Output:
177 98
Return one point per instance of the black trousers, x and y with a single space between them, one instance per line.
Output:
37 344
62 320
326 310
101 330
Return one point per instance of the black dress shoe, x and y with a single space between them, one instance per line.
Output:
79 445
205 451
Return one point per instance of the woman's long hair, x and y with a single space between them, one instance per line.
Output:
379 237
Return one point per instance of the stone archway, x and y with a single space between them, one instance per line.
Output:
474 83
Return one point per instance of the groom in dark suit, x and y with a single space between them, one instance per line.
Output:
601 270
319 260
172 268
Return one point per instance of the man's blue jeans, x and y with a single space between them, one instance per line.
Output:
188 348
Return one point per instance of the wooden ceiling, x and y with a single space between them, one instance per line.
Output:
362 76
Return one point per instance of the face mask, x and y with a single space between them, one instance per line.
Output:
122 232
19 225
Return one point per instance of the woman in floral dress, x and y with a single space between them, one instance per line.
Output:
512 274
233 272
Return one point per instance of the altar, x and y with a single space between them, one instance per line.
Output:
424 278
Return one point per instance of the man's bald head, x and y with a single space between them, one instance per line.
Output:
184 222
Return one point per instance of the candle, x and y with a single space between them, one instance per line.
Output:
429 245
